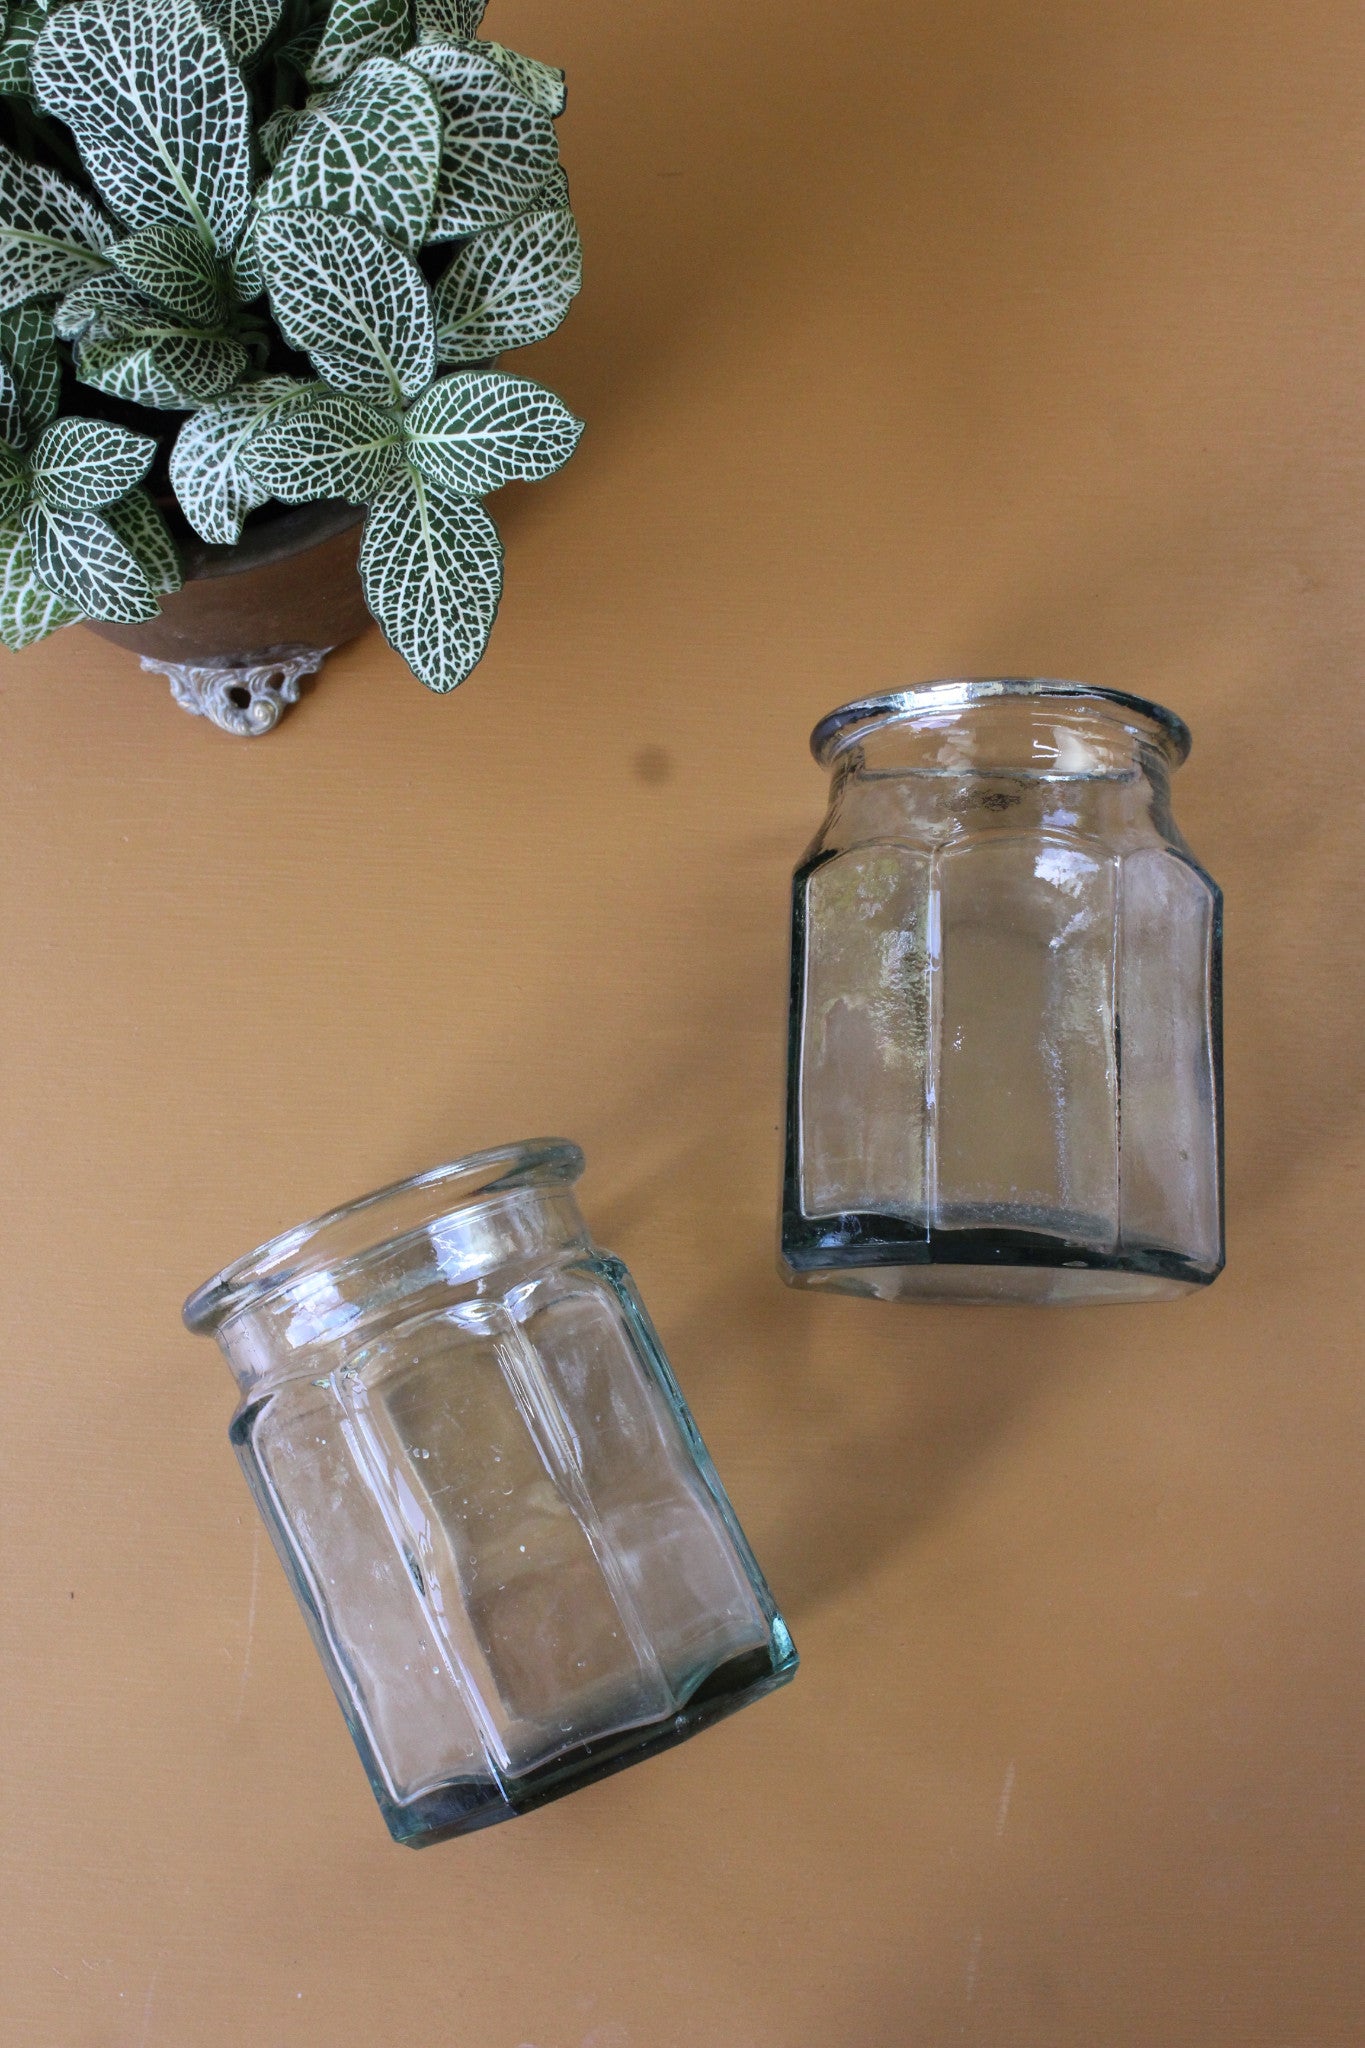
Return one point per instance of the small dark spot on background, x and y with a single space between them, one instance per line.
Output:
654 765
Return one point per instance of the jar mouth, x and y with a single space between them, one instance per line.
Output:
380 1218
839 730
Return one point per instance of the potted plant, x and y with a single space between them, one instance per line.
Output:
259 255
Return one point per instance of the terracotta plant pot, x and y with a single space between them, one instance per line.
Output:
251 621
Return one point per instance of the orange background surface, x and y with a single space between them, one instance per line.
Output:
918 339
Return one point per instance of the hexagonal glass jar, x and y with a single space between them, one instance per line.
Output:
1004 1080
516 1560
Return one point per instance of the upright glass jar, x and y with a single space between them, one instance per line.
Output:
1004 1080
510 1545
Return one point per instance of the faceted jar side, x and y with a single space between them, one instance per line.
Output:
511 1547
1003 1057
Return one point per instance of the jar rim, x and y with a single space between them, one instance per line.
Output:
411 1204
842 728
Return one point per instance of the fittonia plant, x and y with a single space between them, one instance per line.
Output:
308 225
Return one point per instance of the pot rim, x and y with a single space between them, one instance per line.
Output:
295 529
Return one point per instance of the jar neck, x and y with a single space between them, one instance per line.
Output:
972 756
1025 730
308 1300
1004 716
322 1319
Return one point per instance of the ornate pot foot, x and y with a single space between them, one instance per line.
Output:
246 698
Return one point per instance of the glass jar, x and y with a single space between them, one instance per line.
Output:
510 1545
1005 1075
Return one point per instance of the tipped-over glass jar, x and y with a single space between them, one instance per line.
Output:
1004 1080
511 1547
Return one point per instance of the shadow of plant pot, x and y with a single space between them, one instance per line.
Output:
251 621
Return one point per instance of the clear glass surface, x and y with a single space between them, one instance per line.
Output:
1005 1060
514 1554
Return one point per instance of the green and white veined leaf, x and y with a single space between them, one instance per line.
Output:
170 370
457 19
357 29
553 193
498 148
172 265
22 30
277 132
107 307
139 524
351 300
13 480
157 107
51 235
29 348
372 151
130 346
11 430
245 25
83 562
542 84
299 51
431 569
211 471
248 283
336 448
475 431
508 287
82 465
28 611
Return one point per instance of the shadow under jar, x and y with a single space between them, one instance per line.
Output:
511 1547
1005 1073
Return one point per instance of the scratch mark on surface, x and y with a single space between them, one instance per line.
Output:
1002 1811
250 1617
973 1965
147 2008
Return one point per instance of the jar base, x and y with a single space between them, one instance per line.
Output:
993 1286
465 1805
888 1258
